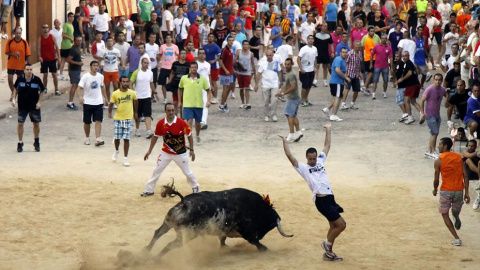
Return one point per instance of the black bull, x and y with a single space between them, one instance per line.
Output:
230 213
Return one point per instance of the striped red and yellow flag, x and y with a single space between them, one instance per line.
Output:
121 7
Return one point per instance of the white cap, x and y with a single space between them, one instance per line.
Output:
375 2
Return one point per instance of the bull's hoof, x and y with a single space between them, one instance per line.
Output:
261 247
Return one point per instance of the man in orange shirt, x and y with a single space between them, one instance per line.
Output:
463 20
18 52
454 181
368 42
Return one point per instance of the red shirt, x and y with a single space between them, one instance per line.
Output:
231 18
318 4
87 13
253 5
248 22
193 32
426 34
190 58
227 58
48 48
173 135
438 28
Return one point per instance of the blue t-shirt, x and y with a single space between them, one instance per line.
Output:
158 10
331 14
7 2
473 106
238 20
276 42
240 37
340 46
211 52
340 63
210 5
291 13
394 40
419 58
192 15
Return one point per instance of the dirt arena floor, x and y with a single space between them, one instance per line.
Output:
70 207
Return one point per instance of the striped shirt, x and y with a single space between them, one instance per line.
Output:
353 63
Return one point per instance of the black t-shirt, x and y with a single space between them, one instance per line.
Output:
322 41
179 71
447 29
135 19
379 23
268 15
76 27
341 18
399 71
361 15
460 102
413 17
452 78
28 92
76 55
151 27
255 41
221 35
413 79
371 17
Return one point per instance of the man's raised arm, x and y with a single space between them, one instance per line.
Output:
287 152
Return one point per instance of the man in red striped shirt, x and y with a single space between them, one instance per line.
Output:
49 53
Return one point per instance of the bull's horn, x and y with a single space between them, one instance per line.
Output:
280 230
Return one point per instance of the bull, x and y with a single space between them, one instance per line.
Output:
230 213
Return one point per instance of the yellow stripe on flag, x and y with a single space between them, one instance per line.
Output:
121 7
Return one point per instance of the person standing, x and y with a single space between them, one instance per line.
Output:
247 65
153 27
179 69
420 58
48 52
337 80
306 29
430 112
323 43
307 65
75 64
204 31
194 34
204 69
454 181
133 56
57 33
92 95
330 11
368 42
408 87
112 60
167 21
6 10
168 54
293 102
18 51
101 22
67 43
127 105
213 51
173 130
122 47
383 54
270 74
226 74
190 97
29 91
144 87
317 179
146 7
182 25
354 60
221 32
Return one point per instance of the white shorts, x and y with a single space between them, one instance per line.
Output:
260 7
266 36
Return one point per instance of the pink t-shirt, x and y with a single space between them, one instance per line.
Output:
357 35
434 100
168 55
336 40
382 54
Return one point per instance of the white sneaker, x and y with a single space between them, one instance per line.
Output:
325 83
5 36
243 106
297 136
290 138
149 134
384 95
274 118
165 101
233 95
315 83
87 141
353 106
214 100
373 96
326 111
125 162
403 118
476 203
335 118
199 141
457 242
61 77
409 120
427 154
267 119
114 156
343 107
137 133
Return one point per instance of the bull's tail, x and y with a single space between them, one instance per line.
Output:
170 191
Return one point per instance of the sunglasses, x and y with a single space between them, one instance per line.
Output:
44 26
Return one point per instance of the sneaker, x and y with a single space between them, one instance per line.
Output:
365 91
344 107
99 142
87 141
353 107
165 101
142 119
274 118
105 107
146 194
457 222
427 154
384 95
290 138
137 132
248 107
457 242
297 136
20 147
422 89
326 247
331 257
267 119
315 83
232 95
373 96
61 77
223 108
125 162
335 118
58 93
115 155
243 106
309 104
409 120
5 36
403 118
282 99
203 126
305 104
434 155
325 83
429 77
72 106
326 111
214 100
195 190
199 141
476 203
421 120
36 145
149 134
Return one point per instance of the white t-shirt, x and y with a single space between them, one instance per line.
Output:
145 55
129 27
142 83
101 22
93 11
101 50
204 70
152 51
112 60
409 46
178 22
269 73
431 23
316 176
57 34
449 63
309 56
123 50
167 16
92 88
306 30
450 42
284 51
445 10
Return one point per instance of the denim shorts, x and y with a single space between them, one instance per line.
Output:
193 113
400 96
291 107
226 80
376 75
433 123
123 72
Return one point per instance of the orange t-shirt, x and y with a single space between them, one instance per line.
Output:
369 44
451 171
462 20
20 47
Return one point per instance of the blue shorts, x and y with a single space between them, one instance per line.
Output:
291 107
193 113
35 115
400 96
376 75
122 129
433 123
226 80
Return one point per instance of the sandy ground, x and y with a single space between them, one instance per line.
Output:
70 207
